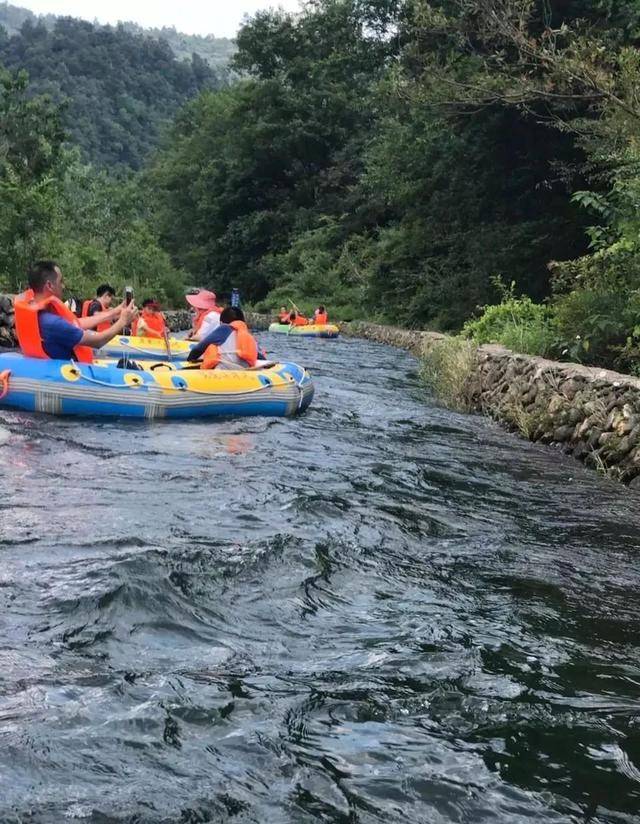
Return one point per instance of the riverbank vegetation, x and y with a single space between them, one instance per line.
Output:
412 162
398 160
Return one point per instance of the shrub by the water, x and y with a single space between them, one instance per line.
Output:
517 323
447 366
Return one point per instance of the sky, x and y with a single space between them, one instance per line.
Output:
219 17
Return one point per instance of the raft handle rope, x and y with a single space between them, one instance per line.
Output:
4 383
301 390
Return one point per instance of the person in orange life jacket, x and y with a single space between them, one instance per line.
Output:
59 337
320 316
230 346
101 303
151 323
207 314
297 320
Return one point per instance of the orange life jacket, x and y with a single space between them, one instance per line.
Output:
28 325
86 305
154 322
321 318
300 321
246 347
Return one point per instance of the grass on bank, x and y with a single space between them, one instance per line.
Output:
447 368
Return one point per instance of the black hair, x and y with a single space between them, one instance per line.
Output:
239 313
41 272
105 289
228 315
147 301
322 309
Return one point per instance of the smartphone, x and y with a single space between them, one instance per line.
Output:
128 295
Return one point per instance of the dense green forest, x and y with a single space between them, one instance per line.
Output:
400 160
120 88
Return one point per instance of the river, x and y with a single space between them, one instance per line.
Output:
379 612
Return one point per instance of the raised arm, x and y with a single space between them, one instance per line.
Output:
101 317
97 339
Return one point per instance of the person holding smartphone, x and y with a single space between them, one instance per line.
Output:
47 328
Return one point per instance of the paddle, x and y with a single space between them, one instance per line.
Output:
165 335
299 313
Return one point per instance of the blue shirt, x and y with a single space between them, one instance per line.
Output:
58 336
217 337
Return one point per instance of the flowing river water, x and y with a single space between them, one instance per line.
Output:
382 611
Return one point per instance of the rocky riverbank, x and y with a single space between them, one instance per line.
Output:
7 328
591 413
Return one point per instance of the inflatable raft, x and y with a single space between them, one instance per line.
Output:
313 330
159 390
146 348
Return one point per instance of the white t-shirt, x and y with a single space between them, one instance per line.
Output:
209 324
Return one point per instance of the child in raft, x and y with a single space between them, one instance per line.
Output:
229 346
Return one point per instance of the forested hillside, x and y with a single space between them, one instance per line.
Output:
120 88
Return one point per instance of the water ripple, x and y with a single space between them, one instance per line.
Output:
380 612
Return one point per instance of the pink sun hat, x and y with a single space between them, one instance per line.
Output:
204 299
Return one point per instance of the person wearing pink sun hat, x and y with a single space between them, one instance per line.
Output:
207 314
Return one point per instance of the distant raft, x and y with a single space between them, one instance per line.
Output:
159 390
313 330
146 348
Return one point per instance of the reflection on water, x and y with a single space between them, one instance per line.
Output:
380 612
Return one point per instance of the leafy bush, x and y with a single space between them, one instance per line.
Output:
517 323
598 325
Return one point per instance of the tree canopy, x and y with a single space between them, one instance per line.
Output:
348 165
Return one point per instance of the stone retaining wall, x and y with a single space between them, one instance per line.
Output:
178 320
412 340
591 413
7 330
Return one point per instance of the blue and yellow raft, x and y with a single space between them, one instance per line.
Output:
146 348
312 330
159 390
